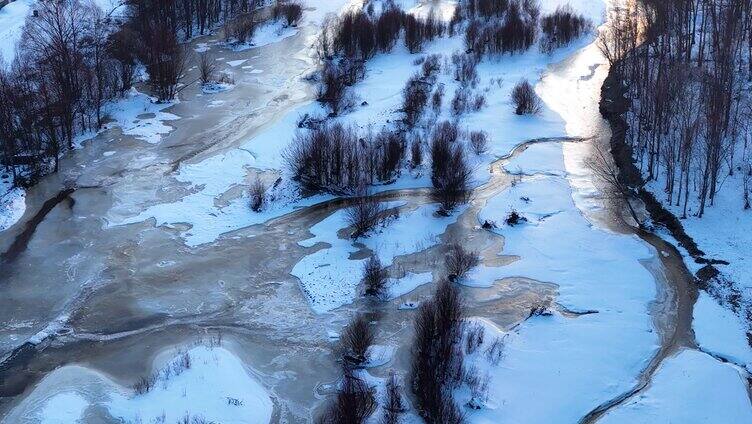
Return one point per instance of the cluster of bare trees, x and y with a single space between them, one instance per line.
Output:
685 64
499 27
76 58
64 72
437 366
562 27
348 42
336 159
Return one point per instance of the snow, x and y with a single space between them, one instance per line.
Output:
691 387
215 377
720 332
594 270
411 281
12 203
378 355
12 19
266 34
539 158
206 389
64 408
136 114
329 279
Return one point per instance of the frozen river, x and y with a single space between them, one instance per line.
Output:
100 286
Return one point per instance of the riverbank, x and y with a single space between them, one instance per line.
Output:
720 326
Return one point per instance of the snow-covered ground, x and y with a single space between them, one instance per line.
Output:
12 19
330 279
721 332
691 387
214 385
12 201
556 368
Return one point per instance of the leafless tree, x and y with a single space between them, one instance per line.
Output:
459 261
365 214
207 68
375 278
526 101
353 404
437 361
355 340
394 405
479 142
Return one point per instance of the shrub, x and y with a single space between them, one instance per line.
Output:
451 186
332 158
431 66
414 33
526 101
459 261
290 11
258 192
355 340
241 28
364 215
326 158
353 404
165 62
474 34
514 33
207 68
438 98
375 278
416 152
393 406
479 102
514 218
437 360
144 384
495 352
388 27
562 27
336 77
465 69
450 172
355 36
474 336
415 99
479 142
478 386
459 101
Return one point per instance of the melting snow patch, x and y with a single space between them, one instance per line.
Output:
141 116
235 63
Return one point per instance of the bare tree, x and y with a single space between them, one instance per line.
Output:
459 261
604 168
354 403
207 68
526 101
355 340
365 214
375 278
437 361
394 405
